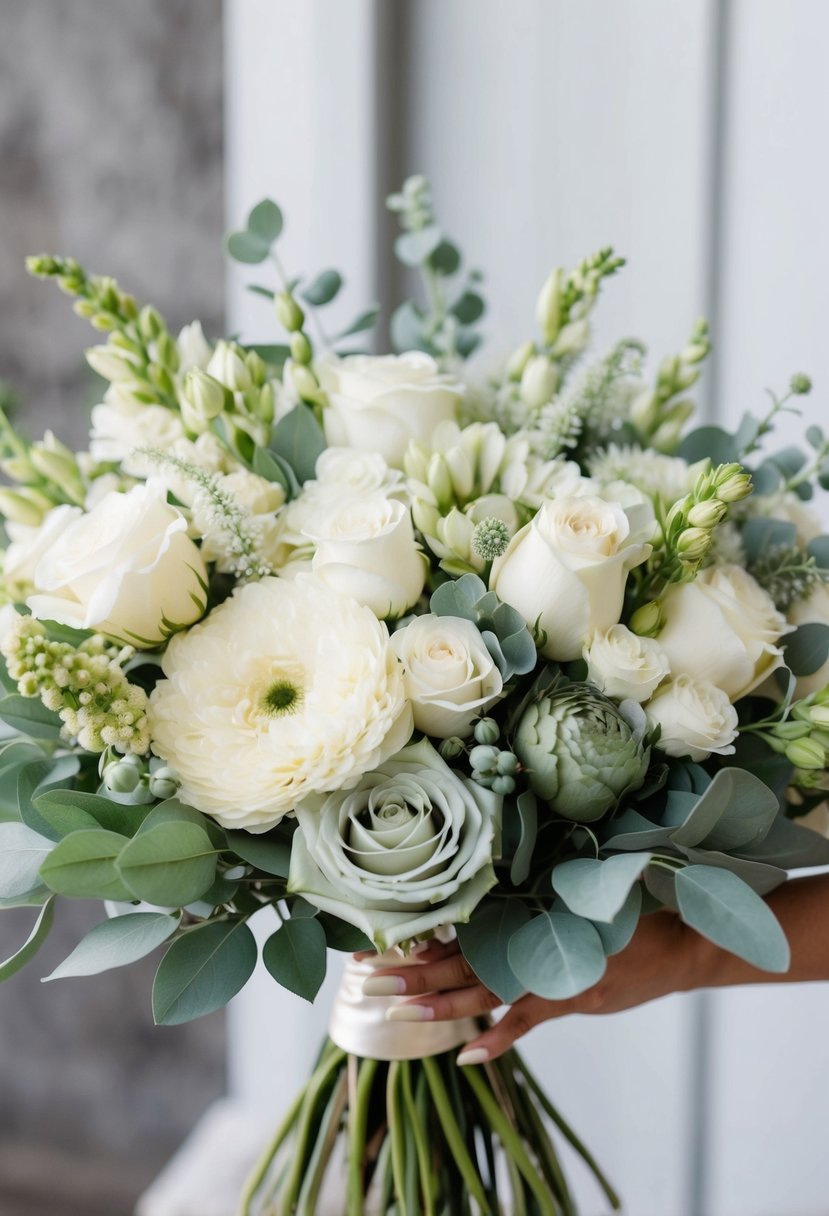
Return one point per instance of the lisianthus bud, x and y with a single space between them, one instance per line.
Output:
300 348
150 323
548 306
306 384
439 481
733 483
648 620
288 312
451 748
573 338
707 514
539 381
229 368
518 360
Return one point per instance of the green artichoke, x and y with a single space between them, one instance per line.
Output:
581 750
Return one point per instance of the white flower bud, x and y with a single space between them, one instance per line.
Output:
539 382
106 363
548 306
518 360
24 506
572 339
229 368
203 399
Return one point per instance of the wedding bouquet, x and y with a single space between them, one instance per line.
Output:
383 647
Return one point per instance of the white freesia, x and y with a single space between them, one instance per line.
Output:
365 547
193 348
405 851
696 719
566 570
623 665
724 628
121 426
228 367
378 403
285 689
127 568
814 610
28 546
451 678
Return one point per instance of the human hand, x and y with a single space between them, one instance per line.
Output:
662 957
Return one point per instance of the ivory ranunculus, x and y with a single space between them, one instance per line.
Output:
285 689
366 548
696 719
450 676
566 570
408 849
377 403
723 628
623 665
126 568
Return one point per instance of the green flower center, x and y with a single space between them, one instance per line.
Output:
282 697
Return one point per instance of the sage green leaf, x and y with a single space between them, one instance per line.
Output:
299 439
266 464
266 853
339 935
29 716
759 875
721 907
295 956
617 933
14 756
82 866
527 808
274 353
366 320
247 247
468 308
33 942
445 259
22 853
169 865
597 889
709 441
413 248
116 943
323 289
407 328
60 809
203 970
788 845
633 831
174 811
484 941
805 650
736 810
661 883
557 955
266 221
762 533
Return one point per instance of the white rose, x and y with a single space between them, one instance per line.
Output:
723 628
566 570
804 612
347 470
696 719
450 676
120 426
380 403
28 546
366 548
127 568
623 665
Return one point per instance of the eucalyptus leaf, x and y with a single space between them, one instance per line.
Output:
407 329
721 907
526 807
247 247
736 810
22 853
203 970
169 865
557 955
789 846
273 468
484 941
661 884
413 248
274 353
14 756
174 811
633 831
761 534
82 866
299 439
445 259
266 853
598 889
366 320
295 956
29 716
616 934
788 460
117 943
266 221
468 308
33 942
710 441
324 288
761 876
807 648
73 810
818 548
42 776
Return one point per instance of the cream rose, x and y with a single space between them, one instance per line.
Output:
120 426
566 570
696 719
450 676
815 610
408 849
623 665
348 471
723 628
127 568
366 548
380 403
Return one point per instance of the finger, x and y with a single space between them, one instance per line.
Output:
526 1013
445 1006
443 976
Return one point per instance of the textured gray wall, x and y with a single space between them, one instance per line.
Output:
110 150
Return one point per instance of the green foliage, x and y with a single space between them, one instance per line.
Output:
83 866
22 853
34 941
503 630
253 243
557 955
61 811
616 934
30 717
598 890
267 853
203 969
169 865
724 909
325 288
807 648
299 440
295 956
485 940
117 943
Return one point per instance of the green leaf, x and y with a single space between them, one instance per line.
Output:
557 955
169 865
39 777
736 810
174 811
618 933
22 853
265 221
270 466
82 866
789 846
814 437
788 460
407 329
14 757
468 308
807 649
33 942
759 875
247 247
339 935
818 548
527 809
203 970
299 439
711 441
29 716
633 831
760 534
722 908
295 956
485 939
323 289
257 290
265 852
597 889
413 248
274 353
73 810
117 943
366 320
446 259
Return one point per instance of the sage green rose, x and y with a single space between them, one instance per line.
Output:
581 750
407 849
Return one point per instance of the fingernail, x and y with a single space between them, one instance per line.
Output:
410 1013
384 985
422 947
472 1055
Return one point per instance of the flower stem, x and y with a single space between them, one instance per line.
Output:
358 1120
454 1137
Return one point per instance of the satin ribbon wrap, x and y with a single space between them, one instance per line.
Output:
358 1023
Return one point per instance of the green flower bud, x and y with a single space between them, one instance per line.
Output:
264 407
800 384
581 752
792 729
121 777
648 620
205 396
806 753
483 758
164 783
507 764
257 367
503 785
693 544
490 538
819 714
486 731
440 482
301 351
707 514
26 507
519 359
548 306
109 365
288 312
451 748
150 323
306 384
735 485
166 351
19 468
